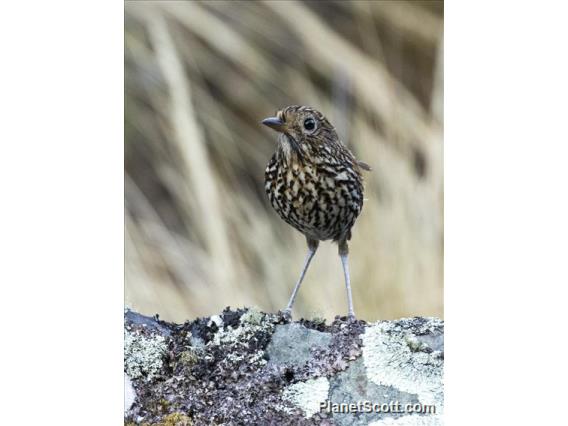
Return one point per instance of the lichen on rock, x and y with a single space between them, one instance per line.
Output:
248 367
251 325
410 420
176 419
143 355
395 354
253 317
308 395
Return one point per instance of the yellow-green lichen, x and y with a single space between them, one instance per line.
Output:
176 419
189 357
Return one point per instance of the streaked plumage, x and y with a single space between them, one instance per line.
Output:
313 181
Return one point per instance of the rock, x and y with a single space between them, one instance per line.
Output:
129 394
293 344
134 318
353 385
248 367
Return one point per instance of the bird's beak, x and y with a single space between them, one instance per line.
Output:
275 123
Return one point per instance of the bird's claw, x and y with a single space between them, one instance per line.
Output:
286 313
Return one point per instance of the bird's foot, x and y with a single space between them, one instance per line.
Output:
286 314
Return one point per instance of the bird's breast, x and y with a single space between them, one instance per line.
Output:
320 200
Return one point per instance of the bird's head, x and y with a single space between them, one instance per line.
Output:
303 128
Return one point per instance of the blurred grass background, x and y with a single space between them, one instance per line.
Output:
199 77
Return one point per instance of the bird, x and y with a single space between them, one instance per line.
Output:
315 184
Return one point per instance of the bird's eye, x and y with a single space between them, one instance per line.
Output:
309 124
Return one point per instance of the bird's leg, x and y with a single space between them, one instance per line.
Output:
312 247
343 252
